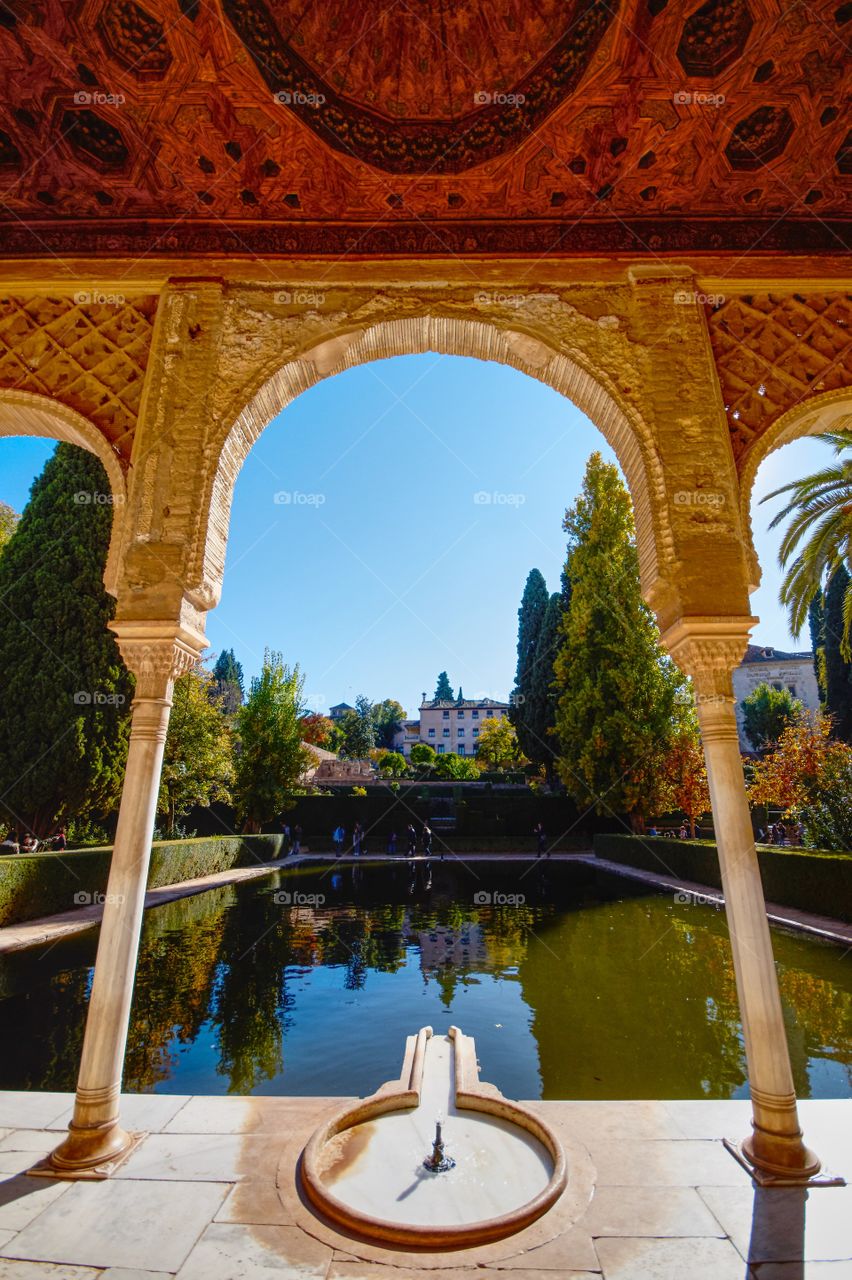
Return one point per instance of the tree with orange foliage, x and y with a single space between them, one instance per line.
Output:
685 774
809 776
319 730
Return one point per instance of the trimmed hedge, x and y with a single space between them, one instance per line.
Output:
42 884
810 880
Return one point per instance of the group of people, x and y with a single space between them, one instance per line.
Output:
292 838
358 843
782 833
27 843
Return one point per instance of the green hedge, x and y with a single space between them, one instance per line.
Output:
810 880
43 884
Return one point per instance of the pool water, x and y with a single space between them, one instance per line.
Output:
575 984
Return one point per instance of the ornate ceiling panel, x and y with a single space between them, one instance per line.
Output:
89 352
361 127
774 351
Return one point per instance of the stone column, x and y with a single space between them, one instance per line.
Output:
708 649
156 653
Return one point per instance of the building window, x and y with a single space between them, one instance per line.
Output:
474 715
489 712
461 733
476 733
446 715
440 748
431 733
777 686
461 748
461 715
446 733
792 689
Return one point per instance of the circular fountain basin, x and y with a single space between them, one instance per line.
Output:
365 1168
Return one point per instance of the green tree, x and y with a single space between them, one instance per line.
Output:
198 757
318 730
422 755
766 714
837 671
8 524
443 689
620 699
816 626
818 539
393 764
66 692
497 746
228 674
522 711
359 731
541 703
387 719
271 758
458 768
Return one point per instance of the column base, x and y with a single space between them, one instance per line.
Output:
769 1172
92 1154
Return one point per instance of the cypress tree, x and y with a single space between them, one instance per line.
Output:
534 603
66 693
228 675
816 626
443 689
838 672
541 705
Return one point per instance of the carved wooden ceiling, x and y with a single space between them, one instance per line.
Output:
424 126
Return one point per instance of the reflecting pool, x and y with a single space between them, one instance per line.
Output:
576 984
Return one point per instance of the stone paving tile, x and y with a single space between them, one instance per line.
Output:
246 1115
571 1251
150 1112
649 1211
255 1202
684 1163
148 1225
193 1157
6 1236
20 1108
45 1271
342 1269
624 1258
710 1118
23 1198
33 1140
230 1252
599 1121
131 1273
776 1224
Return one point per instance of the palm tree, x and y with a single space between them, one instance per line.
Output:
819 537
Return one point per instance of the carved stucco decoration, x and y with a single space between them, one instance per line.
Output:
87 353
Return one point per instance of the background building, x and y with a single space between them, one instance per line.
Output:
793 671
449 725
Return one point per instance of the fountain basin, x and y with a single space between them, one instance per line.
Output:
364 1169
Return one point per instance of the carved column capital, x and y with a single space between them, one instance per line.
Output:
707 650
157 653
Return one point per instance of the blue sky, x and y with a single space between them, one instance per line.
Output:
414 496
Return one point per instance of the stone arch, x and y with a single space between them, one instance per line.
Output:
831 411
593 392
24 413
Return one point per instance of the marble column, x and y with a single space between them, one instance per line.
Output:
156 653
708 649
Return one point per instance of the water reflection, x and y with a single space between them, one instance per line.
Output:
573 984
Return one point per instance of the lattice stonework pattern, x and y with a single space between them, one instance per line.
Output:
773 351
90 352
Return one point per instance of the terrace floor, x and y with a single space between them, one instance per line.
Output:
211 1194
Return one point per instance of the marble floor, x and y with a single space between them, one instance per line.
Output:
211 1194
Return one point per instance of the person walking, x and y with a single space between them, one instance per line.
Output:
538 832
10 844
392 844
411 839
338 836
287 840
60 840
357 837
296 846
427 839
